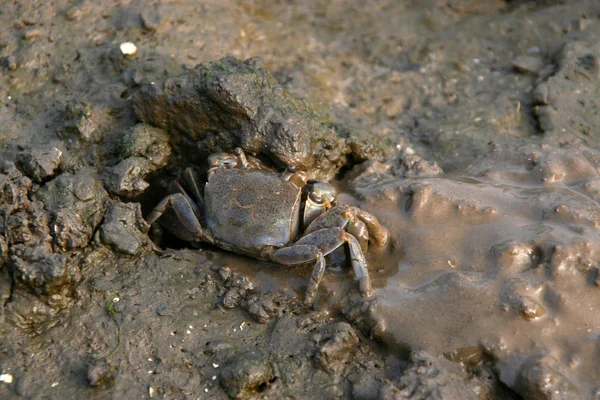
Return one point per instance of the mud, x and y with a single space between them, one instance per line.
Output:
478 125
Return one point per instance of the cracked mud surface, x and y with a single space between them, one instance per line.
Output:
469 128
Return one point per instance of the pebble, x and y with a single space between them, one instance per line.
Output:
6 378
528 64
128 48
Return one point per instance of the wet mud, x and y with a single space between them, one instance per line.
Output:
469 128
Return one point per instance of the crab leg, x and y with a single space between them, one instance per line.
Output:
191 185
182 205
340 216
314 247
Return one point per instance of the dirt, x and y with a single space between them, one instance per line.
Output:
468 127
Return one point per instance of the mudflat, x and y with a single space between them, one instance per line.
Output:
470 129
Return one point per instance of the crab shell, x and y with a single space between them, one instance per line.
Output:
248 209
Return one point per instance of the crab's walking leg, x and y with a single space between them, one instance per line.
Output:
191 185
300 254
314 247
340 216
182 206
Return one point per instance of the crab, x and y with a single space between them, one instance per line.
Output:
273 216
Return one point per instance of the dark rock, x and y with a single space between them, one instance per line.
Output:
68 230
127 178
247 374
43 271
237 288
83 122
33 313
265 306
14 190
81 193
228 103
124 228
145 141
27 228
40 165
142 149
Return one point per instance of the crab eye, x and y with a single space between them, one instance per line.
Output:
315 199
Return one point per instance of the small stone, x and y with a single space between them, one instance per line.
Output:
123 228
151 20
32 32
11 63
247 374
128 48
98 372
528 64
6 378
40 165
127 178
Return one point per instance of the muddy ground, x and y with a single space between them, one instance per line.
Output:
470 128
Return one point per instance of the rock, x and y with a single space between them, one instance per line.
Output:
145 141
127 178
337 348
80 193
26 228
42 271
151 19
40 165
123 228
68 230
237 286
34 313
265 306
228 103
528 64
83 122
247 374
14 190
143 149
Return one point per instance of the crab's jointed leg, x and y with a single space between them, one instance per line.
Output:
341 216
314 247
190 180
182 206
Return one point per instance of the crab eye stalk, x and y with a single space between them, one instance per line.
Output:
321 196
315 199
223 160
